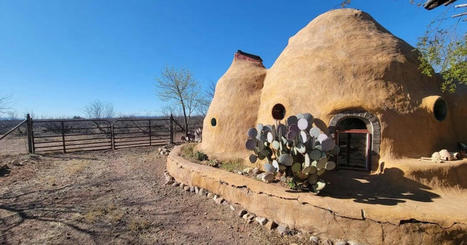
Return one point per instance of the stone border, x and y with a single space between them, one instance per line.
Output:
371 121
326 216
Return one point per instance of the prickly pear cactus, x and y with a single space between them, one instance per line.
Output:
296 149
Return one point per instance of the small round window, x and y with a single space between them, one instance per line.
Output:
440 109
278 112
213 122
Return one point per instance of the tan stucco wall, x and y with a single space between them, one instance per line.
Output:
234 106
334 217
341 61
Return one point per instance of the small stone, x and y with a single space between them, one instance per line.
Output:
169 180
314 240
196 189
209 195
201 192
186 188
182 186
16 162
242 213
247 171
255 171
175 184
261 220
249 217
219 200
329 242
340 242
232 208
282 230
283 179
240 172
271 225
192 189
215 197
265 177
445 155
353 243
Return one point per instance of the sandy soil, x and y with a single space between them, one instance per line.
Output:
116 197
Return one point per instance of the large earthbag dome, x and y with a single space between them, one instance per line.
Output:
234 108
343 62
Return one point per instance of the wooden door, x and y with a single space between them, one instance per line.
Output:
355 148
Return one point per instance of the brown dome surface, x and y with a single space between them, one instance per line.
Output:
341 62
234 108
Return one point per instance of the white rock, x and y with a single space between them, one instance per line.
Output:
436 157
219 200
282 230
445 155
314 240
261 220
340 242
265 177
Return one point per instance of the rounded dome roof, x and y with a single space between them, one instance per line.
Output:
344 59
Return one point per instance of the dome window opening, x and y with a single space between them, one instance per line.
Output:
278 112
440 109
213 122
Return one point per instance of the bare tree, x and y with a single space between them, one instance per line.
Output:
180 88
4 105
205 101
98 109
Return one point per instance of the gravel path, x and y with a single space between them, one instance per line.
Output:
116 197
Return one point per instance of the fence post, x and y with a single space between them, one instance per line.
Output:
171 129
150 133
63 137
29 132
112 135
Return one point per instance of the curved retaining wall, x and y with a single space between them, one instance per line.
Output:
334 218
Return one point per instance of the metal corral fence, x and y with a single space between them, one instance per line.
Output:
70 135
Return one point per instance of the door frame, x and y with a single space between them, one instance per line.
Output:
367 148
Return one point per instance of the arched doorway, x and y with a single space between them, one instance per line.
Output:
354 141
358 126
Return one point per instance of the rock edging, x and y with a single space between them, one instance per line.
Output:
289 211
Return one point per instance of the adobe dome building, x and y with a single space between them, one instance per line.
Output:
361 83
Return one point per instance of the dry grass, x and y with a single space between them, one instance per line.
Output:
109 213
188 151
76 166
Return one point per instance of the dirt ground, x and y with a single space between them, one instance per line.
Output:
116 197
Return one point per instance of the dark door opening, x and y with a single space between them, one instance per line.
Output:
354 142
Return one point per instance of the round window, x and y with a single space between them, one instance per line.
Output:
440 109
278 111
213 122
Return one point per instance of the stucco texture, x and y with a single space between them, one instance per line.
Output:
342 61
403 213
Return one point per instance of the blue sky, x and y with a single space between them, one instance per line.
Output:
57 56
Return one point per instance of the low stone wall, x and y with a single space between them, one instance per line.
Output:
330 217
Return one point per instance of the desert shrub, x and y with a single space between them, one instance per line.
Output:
296 149
200 156
233 165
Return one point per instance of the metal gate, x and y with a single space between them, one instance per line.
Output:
97 134
141 132
70 135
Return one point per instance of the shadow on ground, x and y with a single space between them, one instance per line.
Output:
388 188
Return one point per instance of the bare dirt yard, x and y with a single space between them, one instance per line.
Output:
116 197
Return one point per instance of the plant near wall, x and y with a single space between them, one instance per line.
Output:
296 151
